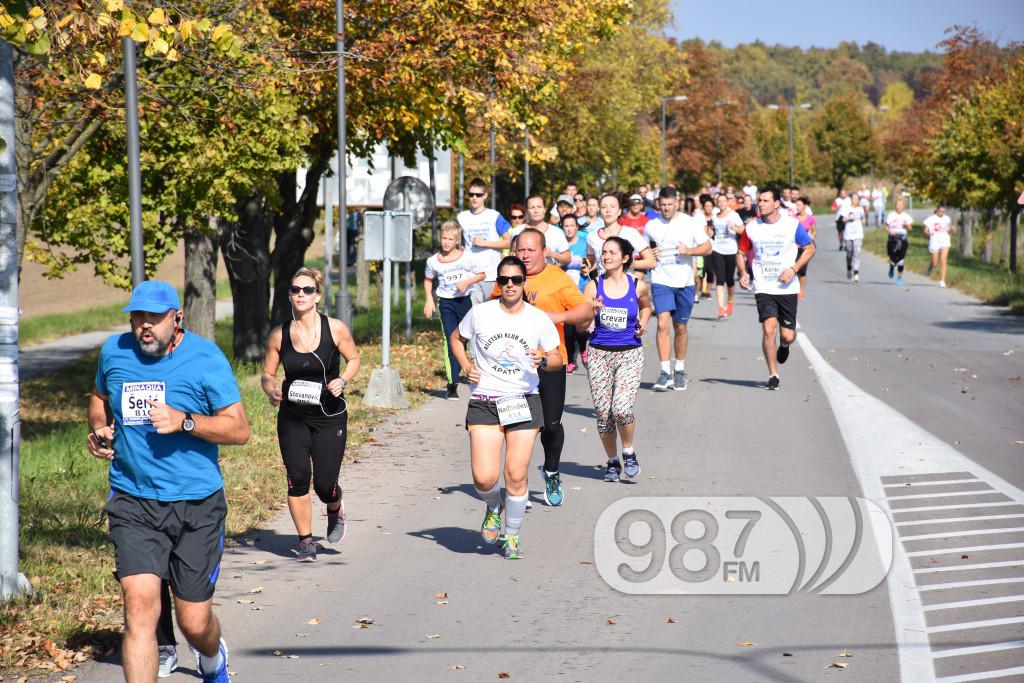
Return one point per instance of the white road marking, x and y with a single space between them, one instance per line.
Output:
966 532
982 675
883 443
901 525
979 649
931 508
963 567
971 549
981 602
939 496
968 625
964 584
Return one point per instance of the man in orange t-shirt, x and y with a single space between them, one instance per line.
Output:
552 291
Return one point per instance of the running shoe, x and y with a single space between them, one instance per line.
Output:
728 308
553 493
899 281
570 368
452 393
221 674
491 528
611 473
305 551
168 660
696 297
849 275
856 276
721 313
773 383
680 380
942 283
513 551
892 270
632 467
336 528
782 355
664 383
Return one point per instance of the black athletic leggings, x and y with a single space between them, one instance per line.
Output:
313 453
723 267
552 401
575 341
897 248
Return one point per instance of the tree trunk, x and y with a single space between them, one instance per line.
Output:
293 232
1004 245
245 244
986 251
966 232
362 273
201 279
1014 214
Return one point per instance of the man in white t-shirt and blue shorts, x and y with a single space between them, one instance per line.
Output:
775 239
677 238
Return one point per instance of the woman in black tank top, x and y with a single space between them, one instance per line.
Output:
312 420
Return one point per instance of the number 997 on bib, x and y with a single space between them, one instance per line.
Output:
743 545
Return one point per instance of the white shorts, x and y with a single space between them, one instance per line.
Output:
938 242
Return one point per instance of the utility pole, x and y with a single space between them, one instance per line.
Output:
131 106
664 136
526 165
12 583
343 303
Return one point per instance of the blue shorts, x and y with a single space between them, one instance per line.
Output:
677 300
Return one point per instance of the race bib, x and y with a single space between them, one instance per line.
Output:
513 410
452 277
305 393
136 398
667 254
614 318
770 270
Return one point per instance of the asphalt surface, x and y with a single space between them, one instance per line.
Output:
909 396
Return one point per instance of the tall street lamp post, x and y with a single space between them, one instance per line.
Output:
664 135
790 108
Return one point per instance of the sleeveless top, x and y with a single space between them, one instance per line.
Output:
319 367
615 324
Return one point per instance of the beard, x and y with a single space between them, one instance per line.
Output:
154 347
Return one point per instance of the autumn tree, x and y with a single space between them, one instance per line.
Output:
840 140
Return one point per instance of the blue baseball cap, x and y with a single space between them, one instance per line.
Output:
153 296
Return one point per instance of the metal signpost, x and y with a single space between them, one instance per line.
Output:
388 238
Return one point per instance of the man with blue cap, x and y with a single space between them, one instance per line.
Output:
164 400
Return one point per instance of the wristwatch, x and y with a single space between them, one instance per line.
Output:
544 362
188 424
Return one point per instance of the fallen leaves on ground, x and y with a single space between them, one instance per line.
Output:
610 622
845 653
432 636
504 674
670 620
745 643
440 596
837 665
363 622
313 622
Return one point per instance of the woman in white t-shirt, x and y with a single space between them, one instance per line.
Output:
898 223
725 224
511 340
938 227
853 236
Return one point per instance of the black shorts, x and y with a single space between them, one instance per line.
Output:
481 413
803 271
180 541
779 306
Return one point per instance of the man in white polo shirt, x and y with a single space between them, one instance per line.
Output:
482 231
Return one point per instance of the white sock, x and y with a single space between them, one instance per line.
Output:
680 364
551 474
666 366
627 451
492 497
211 664
515 510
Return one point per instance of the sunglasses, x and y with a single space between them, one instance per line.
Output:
477 194
517 216
580 199
305 290
517 280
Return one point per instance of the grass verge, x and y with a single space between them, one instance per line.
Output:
65 551
986 281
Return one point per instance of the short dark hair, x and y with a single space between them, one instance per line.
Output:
773 189
512 261
478 182
536 196
561 221
668 192
538 233
625 248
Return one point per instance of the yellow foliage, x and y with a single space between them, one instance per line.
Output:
219 31
35 12
99 59
185 28
172 55
5 19
140 33
160 45
115 5
93 81
126 27
157 17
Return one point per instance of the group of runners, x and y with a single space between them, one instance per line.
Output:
527 295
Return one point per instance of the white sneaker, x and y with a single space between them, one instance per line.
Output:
942 283
168 660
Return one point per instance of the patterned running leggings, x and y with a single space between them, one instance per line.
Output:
614 381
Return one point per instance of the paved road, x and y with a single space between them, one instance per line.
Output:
908 396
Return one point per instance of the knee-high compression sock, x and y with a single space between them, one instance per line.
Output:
492 497
515 510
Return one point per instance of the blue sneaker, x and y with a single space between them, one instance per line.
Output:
553 493
612 471
632 466
221 674
899 281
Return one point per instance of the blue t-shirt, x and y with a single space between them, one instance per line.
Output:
194 378
579 252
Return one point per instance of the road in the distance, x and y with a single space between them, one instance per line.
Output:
414 533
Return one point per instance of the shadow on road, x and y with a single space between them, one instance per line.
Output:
997 324
750 383
457 540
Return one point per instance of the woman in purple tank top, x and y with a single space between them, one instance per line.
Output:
622 306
